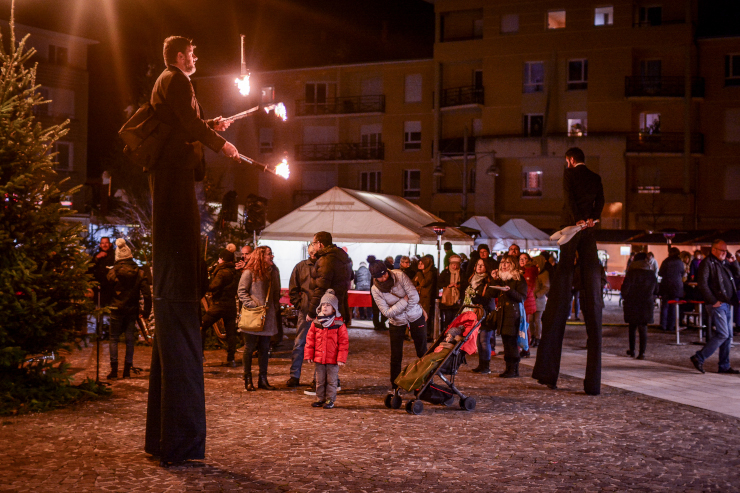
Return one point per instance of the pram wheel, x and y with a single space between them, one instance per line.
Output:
388 400
414 407
468 403
393 401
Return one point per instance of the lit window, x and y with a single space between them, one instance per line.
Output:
370 181
412 183
556 19
510 23
577 74
411 136
268 94
534 76
265 140
603 16
650 123
577 123
532 125
732 70
63 159
532 184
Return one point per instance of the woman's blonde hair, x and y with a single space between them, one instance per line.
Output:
515 274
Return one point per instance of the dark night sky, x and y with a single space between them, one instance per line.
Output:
279 34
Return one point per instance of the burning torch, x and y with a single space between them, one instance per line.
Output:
282 169
242 82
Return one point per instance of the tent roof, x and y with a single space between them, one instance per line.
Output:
531 236
363 217
488 228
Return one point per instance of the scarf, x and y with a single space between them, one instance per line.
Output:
326 320
477 279
509 275
454 276
385 286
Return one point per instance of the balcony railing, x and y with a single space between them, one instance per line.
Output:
458 96
341 106
667 87
663 143
339 152
456 146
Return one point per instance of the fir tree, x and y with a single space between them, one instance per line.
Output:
43 268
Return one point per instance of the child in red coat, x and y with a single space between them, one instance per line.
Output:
327 344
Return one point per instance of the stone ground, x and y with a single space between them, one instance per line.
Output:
521 436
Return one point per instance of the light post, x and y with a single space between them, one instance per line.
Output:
439 228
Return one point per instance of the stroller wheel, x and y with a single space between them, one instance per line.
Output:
396 401
415 407
409 404
388 399
468 403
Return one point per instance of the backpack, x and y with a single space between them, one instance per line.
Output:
144 135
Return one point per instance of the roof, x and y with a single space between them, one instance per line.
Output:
493 235
529 235
364 217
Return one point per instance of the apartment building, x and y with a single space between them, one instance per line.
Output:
63 76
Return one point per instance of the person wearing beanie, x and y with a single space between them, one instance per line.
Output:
128 281
379 319
450 281
327 345
222 288
398 300
448 253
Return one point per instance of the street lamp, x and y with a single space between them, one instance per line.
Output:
439 228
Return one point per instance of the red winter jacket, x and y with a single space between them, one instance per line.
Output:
327 346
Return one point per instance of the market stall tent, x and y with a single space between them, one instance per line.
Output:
530 236
366 223
491 234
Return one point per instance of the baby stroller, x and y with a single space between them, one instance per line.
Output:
442 360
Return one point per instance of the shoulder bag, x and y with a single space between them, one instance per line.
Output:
144 135
253 319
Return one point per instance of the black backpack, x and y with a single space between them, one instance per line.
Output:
144 135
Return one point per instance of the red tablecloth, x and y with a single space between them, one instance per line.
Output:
355 298
615 282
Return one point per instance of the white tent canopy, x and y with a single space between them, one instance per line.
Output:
491 234
530 236
362 217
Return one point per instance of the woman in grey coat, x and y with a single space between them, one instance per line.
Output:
260 276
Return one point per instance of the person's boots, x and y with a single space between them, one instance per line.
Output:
506 371
113 375
512 370
127 370
515 369
483 365
248 385
262 383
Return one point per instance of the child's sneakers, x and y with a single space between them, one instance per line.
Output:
329 404
318 404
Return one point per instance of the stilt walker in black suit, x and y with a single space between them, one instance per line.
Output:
584 201
176 413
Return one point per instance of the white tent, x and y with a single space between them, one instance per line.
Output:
531 237
366 223
494 236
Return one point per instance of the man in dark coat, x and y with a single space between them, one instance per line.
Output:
102 261
299 291
223 286
332 270
363 282
672 272
638 293
584 201
176 414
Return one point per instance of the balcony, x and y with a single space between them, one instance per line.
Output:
339 152
455 146
462 96
661 87
341 106
663 143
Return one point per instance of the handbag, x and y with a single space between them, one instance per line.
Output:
144 135
253 319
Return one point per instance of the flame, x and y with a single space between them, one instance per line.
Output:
283 169
243 84
281 112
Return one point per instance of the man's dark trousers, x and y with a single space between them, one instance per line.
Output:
176 411
547 365
228 314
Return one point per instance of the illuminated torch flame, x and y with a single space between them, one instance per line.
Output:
283 169
281 112
243 84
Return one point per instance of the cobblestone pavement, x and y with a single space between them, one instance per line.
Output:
521 436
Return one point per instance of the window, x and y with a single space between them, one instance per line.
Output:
370 181
461 25
370 135
532 183
577 123
577 74
651 68
556 19
317 94
63 159
648 179
732 70
412 183
268 94
411 136
413 88
732 125
478 79
58 55
533 125
265 140
650 16
510 23
732 182
603 16
477 127
534 77
650 123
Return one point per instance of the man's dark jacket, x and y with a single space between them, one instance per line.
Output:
299 287
671 283
716 280
639 290
99 268
128 280
223 286
333 269
363 279
583 194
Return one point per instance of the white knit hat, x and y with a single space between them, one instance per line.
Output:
122 250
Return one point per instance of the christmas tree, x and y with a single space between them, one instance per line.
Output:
43 268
